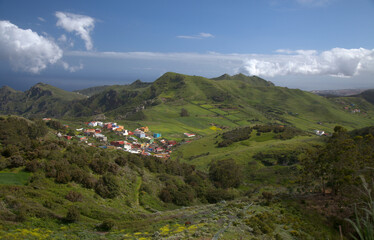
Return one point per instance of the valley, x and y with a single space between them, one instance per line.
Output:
116 162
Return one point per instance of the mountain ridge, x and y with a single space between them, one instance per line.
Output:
229 100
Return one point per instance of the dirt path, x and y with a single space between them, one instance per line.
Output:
137 188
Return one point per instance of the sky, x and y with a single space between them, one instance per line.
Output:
306 44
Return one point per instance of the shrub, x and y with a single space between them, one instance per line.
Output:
73 214
78 175
3 163
165 196
63 176
267 195
20 214
56 125
215 195
99 166
113 168
89 181
225 173
33 166
107 186
106 225
184 113
74 196
16 161
184 196
10 150
121 160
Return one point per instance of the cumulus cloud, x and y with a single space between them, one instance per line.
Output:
198 36
41 19
80 24
338 62
26 50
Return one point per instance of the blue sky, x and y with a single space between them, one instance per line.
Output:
307 44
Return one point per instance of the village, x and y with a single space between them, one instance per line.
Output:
140 141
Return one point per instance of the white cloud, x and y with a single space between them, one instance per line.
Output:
198 36
65 42
80 24
338 62
62 38
41 19
69 68
26 50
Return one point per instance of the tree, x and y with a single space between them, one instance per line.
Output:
225 173
339 163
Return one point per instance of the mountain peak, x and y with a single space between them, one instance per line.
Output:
39 90
139 84
222 77
253 80
7 89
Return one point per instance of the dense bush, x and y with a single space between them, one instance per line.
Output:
73 214
33 166
16 161
339 164
74 196
56 125
106 225
165 196
65 163
282 132
235 135
107 186
225 173
280 157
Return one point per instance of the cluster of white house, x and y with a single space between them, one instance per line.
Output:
147 146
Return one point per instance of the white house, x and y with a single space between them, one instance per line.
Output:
189 134
127 146
319 132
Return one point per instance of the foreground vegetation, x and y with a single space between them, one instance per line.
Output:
51 188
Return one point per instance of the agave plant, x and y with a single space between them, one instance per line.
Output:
364 219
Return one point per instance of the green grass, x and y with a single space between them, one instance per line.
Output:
263 137
14 178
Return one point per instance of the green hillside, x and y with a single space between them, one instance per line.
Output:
40 100
226 101
238 102
91 91
53 188
368 95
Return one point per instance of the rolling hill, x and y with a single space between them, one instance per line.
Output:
40 100
226 101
